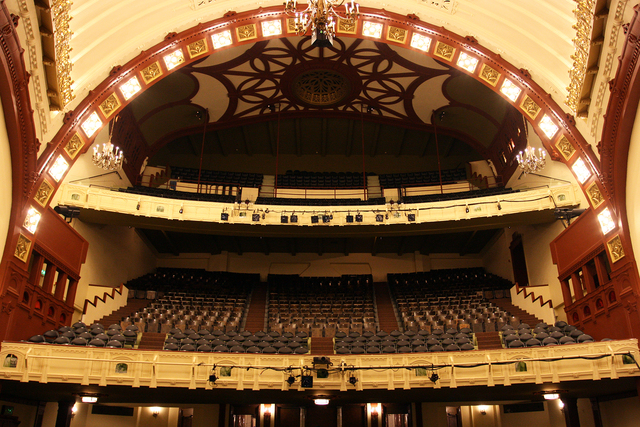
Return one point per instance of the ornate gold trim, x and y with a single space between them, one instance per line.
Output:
530 107
74 145
595 195
151 73
347 27
444 51
291 25
22 248
62 44
565 147
396 34
489 75
616 251
110 105
246 32
197 48
44 192
584 12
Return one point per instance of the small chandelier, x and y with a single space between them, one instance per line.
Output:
321 17
109 158
531 162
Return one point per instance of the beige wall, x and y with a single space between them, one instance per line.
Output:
620 413
5 178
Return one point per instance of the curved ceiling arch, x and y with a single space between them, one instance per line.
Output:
556 129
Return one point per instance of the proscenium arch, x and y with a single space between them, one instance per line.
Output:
556 129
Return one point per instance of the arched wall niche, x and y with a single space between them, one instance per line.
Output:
556 129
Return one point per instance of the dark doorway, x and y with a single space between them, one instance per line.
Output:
518 260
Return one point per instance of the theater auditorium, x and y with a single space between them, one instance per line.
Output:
319 213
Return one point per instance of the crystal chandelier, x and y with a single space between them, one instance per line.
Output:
531 162
321 17
109 158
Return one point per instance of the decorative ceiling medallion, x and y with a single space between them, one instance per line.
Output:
529 106
444 51
595 196
22 248
396 34
74 145
197 48
616 251
110 105
565 147
321 88
43 193
246 32
344 26
489 75
151 73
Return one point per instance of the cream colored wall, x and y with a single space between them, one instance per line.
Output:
5 179
620 413
497 256
633 183
116 254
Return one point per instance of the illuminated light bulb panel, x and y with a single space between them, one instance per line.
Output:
418 41
130 88
92 124
59 168
173 59
372 29
221 39
510 90
581 170
271 28
548 127
32 219
606 221
468 62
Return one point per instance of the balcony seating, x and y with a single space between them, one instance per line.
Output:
397 180
429 198
240 179
286 201
180 195
320 306
302 179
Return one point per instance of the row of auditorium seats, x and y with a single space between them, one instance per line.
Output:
240 179
560 333
429 198
286 201
425 178
233 342
320 306
297 179
180 195
95 336
404 342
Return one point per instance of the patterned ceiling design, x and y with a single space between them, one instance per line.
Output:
396 92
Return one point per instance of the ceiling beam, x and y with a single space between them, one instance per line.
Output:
427 145
245 139
376 136
402 139
467 244
172 246
349 147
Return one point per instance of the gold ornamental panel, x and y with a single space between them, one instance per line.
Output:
347 27
530 107
565 147
22 248
197 48
444 51
151 73
489 75
246 32
396 34
595 195
110 105
616 251
74 145
44 193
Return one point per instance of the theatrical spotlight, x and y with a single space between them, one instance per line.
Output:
314 219
291 380
224 216
255 217
294 218
434 377
326 219
213 378
359 218
349 218
353 380
379 217
284 219
411 217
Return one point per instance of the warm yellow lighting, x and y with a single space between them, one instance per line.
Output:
155 410
560 404
59 168
173 59
89 399
92 124
421 42
548 127
271 28
130 87
321 401
551 396
74 409
483 409
468 62
581 170
606 222
32 220
372 29
267 408
221 39
375 408
510 89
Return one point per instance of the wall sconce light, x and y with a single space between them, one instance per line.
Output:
321 401
155 411
267 408
375 408
483 409
74 409
89 399
551 396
